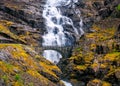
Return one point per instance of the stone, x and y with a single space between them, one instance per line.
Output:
104 12
97 5
117 74
79 61
106 2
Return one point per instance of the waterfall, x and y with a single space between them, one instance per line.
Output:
55 34
67 83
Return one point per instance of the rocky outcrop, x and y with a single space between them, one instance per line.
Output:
96 60
96 82
21 27
90 11
94 11
29 12
20 65
24 18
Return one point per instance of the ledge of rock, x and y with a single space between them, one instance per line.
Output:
21 65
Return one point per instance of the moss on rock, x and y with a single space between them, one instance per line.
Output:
18 62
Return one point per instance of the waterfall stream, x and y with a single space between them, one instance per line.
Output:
55 21
67 83
56 34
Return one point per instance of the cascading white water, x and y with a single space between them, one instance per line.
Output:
55 34
67 83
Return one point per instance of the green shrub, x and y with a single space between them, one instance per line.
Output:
118 7
17 77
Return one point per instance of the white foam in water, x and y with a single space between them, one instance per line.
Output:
55 35
50 54
67 83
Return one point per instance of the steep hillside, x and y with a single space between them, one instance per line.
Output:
20 36
96 61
